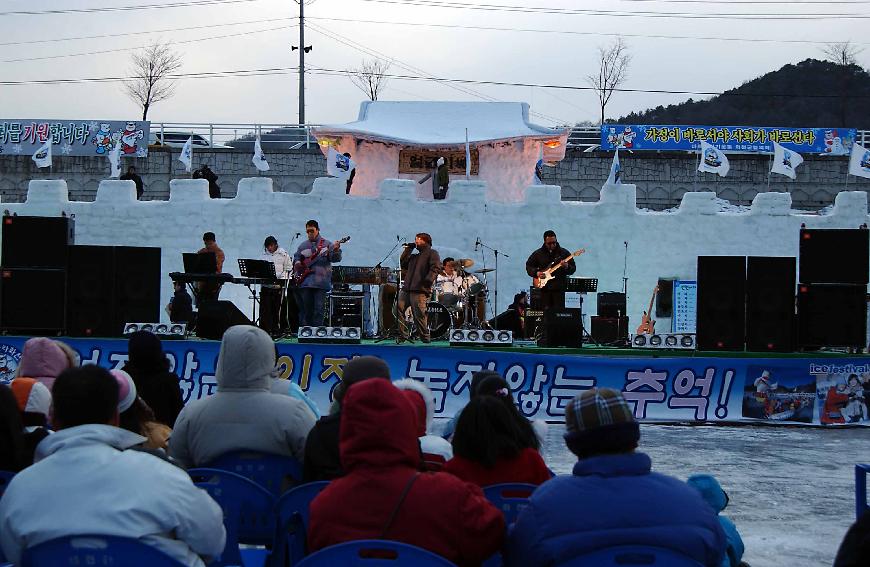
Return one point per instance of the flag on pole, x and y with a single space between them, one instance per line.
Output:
42 156
259 159
186 156
785 161
467 157
615 177
859 163
338 165
115 159
713 160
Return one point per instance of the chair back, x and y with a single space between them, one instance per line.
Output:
510 498
5 477
632 556
275 473
861 490
247 507
96 550
374 553
292 523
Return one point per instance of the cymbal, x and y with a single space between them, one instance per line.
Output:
483 271
465 262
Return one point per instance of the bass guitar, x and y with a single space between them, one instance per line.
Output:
647 324
305 271
548 273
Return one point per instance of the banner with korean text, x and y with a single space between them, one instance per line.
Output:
74 137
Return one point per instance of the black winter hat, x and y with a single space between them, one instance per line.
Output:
359 369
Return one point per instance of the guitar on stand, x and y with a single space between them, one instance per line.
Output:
547 274
647 324
300 274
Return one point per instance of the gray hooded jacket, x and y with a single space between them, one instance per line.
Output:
243 414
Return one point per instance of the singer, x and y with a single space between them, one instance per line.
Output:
422 265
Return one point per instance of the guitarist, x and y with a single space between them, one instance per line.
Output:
549 254
313 263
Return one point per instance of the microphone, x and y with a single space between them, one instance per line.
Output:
409 244
298 234
477 244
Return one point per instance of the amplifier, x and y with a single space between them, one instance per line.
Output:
346 310
609 330
534 323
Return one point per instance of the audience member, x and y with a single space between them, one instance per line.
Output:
44 360
436 450
497 387
612 498
12 448
855 547
84 482
384 496
131 175
491 446
155 384
290 388
322 460
243 413
136 416
476 379
34 406
712 493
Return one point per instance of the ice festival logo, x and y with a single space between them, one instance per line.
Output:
9 359
865 161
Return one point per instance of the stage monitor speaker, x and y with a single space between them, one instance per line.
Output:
831 315
834 255
609 330
137 285
721 313
665 298
611 304
215 317
91 292
770 304
36 242
32 300
562 328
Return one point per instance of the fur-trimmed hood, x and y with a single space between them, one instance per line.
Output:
411 385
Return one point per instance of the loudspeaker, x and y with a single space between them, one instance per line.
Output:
137 285
611 304
665 298
36 242
562 328
215 317
534 324
609 330
346 310
770 304
721 302
834 255
832 315
91 292
32 300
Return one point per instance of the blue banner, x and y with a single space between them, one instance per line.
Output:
664 387
825 141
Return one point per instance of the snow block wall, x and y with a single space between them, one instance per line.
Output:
613 231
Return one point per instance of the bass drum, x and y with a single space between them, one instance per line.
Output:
439 318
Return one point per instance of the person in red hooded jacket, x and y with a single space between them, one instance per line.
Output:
384 496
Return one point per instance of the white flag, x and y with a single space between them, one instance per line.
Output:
615 177
713 160
338 165
186 156
42 156
859 163
259 159
785 161
115 159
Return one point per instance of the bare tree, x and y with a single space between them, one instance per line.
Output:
150 77
613 61
844 53
371 77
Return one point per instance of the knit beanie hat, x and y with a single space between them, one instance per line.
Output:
33 399
359 369
479 377
599 421
126 390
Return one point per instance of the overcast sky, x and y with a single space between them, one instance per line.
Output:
234 35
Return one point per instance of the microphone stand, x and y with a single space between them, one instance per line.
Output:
393 332
285 323
496 253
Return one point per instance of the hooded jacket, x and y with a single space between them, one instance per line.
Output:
42 359
84 482
379 453
613 500
243 413
712 493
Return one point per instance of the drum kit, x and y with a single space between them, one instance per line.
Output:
458 306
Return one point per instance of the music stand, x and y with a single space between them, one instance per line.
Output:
256 269
583 285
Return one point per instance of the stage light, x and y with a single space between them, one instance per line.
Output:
473 336
321 332
505 337
130 328
687 341
457 335
334 335
671 341
305 332
353 333
676 341
162 330
639 341
337 333
655 340
487 337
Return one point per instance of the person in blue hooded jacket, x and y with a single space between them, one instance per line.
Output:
713 494
612 498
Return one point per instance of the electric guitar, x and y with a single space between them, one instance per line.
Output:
300 275
548 273
647 325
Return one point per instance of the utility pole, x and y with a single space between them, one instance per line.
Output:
303 49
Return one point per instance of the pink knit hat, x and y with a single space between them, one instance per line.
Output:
126 390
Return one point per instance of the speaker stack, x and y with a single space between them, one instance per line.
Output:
610 326
770 304
832 305
721 317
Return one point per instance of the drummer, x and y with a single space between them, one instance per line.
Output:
448 285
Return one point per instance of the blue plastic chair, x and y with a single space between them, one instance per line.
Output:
248 513
861 490
510 498
5 477
96 550
292 512
374 553
275 473
630 556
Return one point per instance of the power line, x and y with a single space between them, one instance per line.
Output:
197 3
